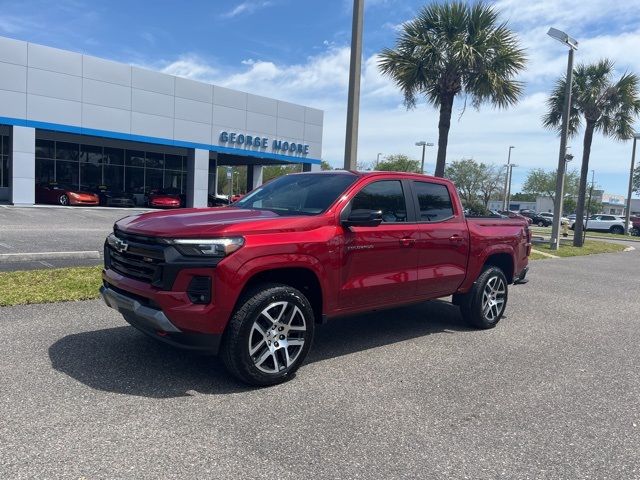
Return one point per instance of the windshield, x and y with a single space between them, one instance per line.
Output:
301 194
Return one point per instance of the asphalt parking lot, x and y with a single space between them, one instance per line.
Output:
51 236
551 393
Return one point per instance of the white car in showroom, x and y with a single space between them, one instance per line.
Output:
605 223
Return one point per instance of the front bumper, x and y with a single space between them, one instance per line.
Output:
153 322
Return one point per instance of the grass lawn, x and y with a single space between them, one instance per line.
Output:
537 256
590 247
615 236
45 286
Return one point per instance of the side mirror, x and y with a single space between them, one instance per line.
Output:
363 218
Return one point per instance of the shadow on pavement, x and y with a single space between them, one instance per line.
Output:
123 360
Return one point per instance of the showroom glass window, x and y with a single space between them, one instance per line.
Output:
386 196
89 167
5 179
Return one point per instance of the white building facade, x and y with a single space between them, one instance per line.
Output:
82 121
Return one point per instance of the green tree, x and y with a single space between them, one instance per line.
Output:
543 183
398 163
239 175
524 197
465 174
636 180
324 165
476 182
454 48
274 171
606 106
491 182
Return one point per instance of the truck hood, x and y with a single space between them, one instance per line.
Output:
201 222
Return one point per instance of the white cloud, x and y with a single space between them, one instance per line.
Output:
12 24
247 7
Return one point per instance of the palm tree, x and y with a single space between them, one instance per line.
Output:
450 49
606 107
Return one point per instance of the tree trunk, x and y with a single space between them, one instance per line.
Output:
582 188
446 106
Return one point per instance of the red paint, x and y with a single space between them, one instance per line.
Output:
166 199
53 193
358 268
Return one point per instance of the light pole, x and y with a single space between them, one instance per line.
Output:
510 174
353 103
627 216
378 160
507 180
557 207
423 144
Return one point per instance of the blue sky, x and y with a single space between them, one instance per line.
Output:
298 50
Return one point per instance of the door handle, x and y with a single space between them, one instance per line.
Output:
407 242
456 238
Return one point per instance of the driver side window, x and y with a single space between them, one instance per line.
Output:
386 196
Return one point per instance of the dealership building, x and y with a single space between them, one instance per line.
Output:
84 122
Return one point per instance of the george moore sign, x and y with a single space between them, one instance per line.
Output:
279 146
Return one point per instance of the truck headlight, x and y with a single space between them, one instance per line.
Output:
214 247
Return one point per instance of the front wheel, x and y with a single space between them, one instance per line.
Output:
269 335
63 200
486 302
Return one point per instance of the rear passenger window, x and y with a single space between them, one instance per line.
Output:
387 196
434 201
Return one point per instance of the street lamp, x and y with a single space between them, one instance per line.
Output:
378 160
507 180
627 216
572 43
423 144
510 168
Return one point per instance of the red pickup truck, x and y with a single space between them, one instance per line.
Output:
251 280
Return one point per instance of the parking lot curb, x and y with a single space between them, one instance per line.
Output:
36 256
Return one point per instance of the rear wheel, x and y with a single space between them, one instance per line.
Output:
541 223
63 200
269 335
617 229
485 304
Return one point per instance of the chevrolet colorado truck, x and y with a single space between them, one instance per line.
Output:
250 281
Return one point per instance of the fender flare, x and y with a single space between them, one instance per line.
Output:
255 266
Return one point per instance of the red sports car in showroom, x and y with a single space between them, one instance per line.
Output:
166 198
64 195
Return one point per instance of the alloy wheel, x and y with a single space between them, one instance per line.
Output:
277 337
64 200
493 298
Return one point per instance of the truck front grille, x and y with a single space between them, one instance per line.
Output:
142 260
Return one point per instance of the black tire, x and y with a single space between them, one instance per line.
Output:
471 304
241 332
617 229
542 223
63 200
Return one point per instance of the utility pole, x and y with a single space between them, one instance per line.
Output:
508 199
564 133
353 103
627 216
507 181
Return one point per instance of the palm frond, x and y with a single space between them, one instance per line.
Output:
454 47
